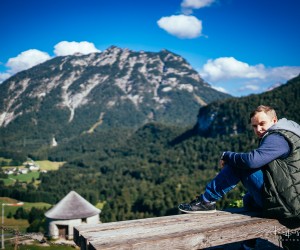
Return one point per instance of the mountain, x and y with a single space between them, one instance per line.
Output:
118 88
150 171
220 119
231 116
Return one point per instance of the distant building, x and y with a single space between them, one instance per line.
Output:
34 168
9 172
72 210
29 164
23 171
54 142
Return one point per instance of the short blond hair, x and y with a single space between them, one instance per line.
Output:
266 109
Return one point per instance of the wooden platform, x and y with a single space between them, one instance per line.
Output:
184 231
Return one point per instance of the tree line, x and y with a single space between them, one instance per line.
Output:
147 172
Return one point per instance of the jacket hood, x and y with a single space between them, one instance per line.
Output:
284 124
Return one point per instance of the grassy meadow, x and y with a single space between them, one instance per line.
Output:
30 176
49 165
21 225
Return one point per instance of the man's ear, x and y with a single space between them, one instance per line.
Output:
275 119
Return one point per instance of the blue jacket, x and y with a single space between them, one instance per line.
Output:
278 155
272 146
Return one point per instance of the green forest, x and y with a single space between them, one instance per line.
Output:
148 171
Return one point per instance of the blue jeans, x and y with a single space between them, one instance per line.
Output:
229 177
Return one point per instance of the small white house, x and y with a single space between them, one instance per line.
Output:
9 172
34 168
72 210
23 171
29 164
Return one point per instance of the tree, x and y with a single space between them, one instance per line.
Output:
21 213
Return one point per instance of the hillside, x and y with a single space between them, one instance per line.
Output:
68 96
137 167
148 173
231 117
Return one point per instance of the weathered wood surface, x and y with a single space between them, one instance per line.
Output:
185 231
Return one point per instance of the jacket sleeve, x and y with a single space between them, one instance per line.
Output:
272 147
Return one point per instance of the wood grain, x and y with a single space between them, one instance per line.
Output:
185 231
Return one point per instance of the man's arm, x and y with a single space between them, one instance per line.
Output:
274 146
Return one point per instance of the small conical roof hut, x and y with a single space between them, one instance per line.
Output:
72 206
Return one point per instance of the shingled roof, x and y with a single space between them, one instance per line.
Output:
72 206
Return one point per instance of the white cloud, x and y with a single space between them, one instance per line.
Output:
228 67
221 89
196 4
65 48
250 87
181 26
284 72
274 86
26 60
4 76
227 74
225 68
32 57
187 6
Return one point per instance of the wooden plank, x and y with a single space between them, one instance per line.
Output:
89 229
175 232
159 220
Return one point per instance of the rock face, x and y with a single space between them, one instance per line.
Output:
112 89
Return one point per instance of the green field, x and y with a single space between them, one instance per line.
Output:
21 226
25 177
18 224
8 182
27 205
21 177
5 160
100 205
44 165
49 165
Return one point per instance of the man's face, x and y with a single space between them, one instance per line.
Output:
261 122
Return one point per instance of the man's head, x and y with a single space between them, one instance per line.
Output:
261 119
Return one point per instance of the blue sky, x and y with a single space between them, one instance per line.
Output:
237 46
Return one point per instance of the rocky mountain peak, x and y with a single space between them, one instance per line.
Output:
120 86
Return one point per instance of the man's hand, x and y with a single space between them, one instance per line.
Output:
222 163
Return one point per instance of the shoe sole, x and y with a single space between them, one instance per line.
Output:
198 212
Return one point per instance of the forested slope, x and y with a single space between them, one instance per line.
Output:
148 172
231 116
